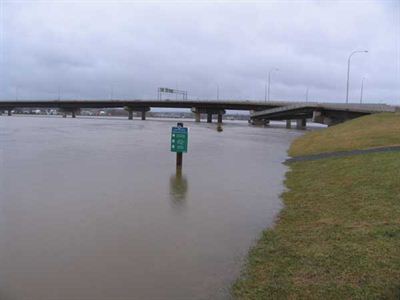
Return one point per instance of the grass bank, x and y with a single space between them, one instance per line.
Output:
339 233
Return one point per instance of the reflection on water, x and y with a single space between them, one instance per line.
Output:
88 207
178 187
219 128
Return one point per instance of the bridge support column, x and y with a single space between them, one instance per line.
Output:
209 117
9 112
66 111
288 124
209 112
298 123
323 118
259 122
140 111
301 123
219 118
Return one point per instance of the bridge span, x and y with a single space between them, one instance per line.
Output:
261 111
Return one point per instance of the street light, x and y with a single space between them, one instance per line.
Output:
111 92
362 89
348 71
269 84
307 94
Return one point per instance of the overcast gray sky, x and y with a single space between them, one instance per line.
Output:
88 48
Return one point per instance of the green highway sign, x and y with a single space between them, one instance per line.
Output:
179 139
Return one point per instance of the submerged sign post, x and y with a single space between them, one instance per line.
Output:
179 142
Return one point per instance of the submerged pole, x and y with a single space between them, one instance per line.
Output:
179 160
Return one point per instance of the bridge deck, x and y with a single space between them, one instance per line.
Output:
222 104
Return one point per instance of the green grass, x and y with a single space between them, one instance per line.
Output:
338 236
366 132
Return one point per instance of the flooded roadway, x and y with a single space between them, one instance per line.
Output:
93 208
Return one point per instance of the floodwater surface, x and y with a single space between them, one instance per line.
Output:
94 208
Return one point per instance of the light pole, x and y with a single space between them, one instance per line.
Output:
362 90
111 92
269 84
307 94
348 70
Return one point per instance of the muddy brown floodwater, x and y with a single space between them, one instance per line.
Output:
93 208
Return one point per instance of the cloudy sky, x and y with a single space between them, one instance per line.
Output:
92 49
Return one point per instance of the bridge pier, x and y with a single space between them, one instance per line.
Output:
219 119
66 111
288 124
332 118
141 111
8 109
259 122
209 112
301 123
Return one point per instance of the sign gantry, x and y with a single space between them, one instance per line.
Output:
163 90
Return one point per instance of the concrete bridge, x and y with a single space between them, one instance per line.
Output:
261 111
